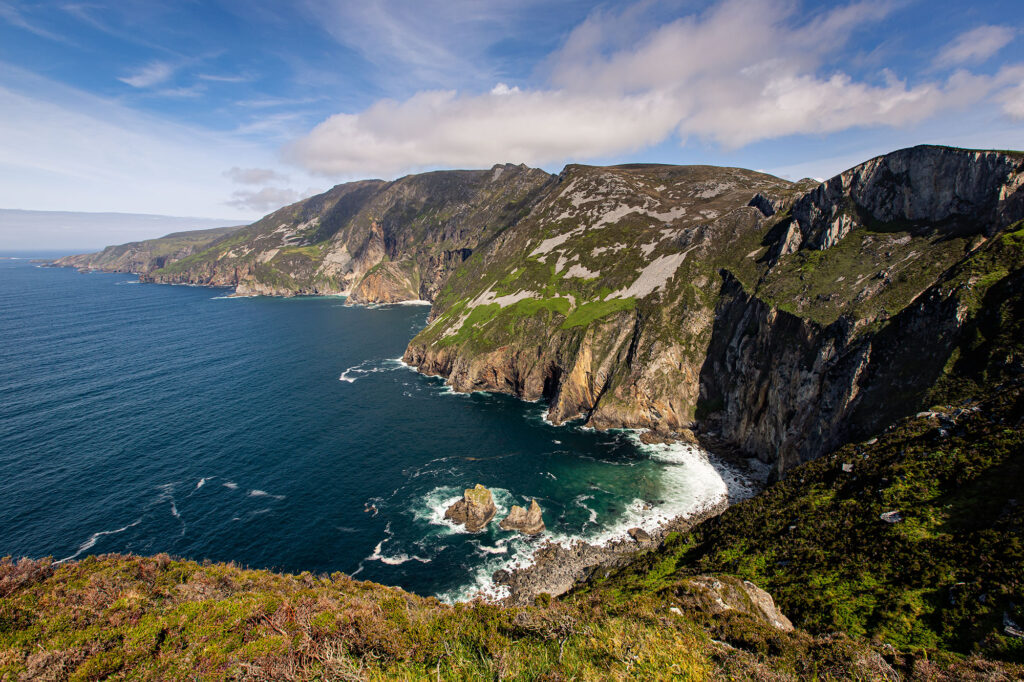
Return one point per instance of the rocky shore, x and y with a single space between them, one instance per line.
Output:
557 569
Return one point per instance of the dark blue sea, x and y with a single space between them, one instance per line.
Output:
283 434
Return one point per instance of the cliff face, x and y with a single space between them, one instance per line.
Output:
375 241
779 320
149 255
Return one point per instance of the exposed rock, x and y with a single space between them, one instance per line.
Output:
719 594
891 516
640 535
556 569
526 521
475 510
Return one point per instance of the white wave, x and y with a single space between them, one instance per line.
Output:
418 301
580 501
395 560
690 481
551 475
230 485
88 544
432 506
500 547
371 367
264 493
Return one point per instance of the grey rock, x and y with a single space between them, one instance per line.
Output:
527 521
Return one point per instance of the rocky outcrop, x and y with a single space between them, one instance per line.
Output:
527 521
956 189
475 510
717 595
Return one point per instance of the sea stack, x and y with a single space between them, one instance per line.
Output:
526 521
475 509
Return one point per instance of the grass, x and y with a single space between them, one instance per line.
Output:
586 313
940 579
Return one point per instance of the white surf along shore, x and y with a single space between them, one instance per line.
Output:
693 482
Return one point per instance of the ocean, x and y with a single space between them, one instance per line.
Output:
285 434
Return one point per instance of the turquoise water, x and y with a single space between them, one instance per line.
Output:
150 418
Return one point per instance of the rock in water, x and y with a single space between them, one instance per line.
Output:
527 521
475 509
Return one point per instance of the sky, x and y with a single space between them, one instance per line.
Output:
230 109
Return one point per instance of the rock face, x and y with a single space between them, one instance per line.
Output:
475 510
526 521
780 318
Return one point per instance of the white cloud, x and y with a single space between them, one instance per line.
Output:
253 176
976 46
740 72
152 74
441 128
265 199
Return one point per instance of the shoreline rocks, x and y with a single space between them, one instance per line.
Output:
557 569
527 521
475 510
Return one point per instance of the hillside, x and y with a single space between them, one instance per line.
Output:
373 241
148 255
779 320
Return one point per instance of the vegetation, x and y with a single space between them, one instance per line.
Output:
942 575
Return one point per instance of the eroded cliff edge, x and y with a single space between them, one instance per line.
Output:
780 319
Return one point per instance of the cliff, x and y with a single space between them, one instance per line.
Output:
774 318
151 254
373 241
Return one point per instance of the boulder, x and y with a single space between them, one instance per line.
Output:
526 521
475 510
716 595
639 534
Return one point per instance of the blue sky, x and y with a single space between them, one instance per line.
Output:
231 109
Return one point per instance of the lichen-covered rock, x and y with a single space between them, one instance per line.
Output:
475 510
717 595
527 521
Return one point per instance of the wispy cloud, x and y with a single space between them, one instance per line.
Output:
15 17
189 92
219 78
975 46
254 176
149 75
723 75
265 199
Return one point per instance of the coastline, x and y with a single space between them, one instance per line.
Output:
558 565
